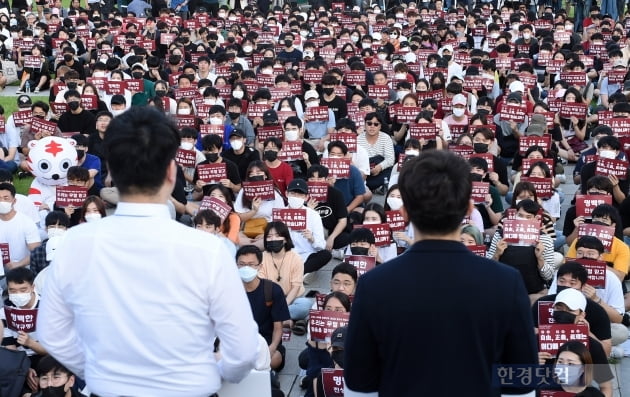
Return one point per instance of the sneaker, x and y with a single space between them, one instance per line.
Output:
616 352
36 89
338 254
19 91
562 178
309 278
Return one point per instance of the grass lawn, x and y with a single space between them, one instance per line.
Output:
9 102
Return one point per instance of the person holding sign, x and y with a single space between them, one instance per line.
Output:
212 146
380 151
206 299
76 119
569 307
208 221
608 149
574 128
374 214
36 69
372 363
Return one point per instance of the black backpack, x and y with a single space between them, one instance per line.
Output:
14 366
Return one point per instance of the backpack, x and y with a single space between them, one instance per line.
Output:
14 366
268 291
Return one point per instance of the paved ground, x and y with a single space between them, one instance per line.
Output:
290 376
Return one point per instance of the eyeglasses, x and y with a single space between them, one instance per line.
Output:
372 123
346 284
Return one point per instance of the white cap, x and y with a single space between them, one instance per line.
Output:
571 297
377 36
310 94
410 57
516 86
460 99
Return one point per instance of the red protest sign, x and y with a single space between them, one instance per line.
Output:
89 102
6 255
479 250
207 129
135 85
463 151
407 114
22 117
555 393
32 61
378 92
67 196
294 218
618 168
322 323
2 125
337 167
185 120
573 109
348 138
259 189
186 158
332 381
115 87
473 83
513 112
426 131
271 131
44 126
212 173
316 113
574 78
21 319
284 115
620 126
277 93
555 66
545 312
605 234
615 76
99 82
479 192
395 220
525 142
596 271
355 77
167 38
318 191
544 186
291 151
586 203
58 107
527 164
552 336
488 157
521 231
382 233
257 110
363 263
186 93
217 206
312 76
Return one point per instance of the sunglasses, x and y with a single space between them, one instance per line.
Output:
372 123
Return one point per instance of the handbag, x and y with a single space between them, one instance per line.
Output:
9 69
254 227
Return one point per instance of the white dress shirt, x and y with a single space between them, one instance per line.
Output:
313 223
134 302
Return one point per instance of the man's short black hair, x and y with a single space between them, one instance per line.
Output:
574 269
5 176
207 216
76 173
322 171
362 235
57 217
249 249
435 188
338 144
48 363
345 268
590 242
211 141
9 187
140 145
20 275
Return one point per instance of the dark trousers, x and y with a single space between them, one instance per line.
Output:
376 181
316 261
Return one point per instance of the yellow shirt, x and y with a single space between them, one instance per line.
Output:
619 255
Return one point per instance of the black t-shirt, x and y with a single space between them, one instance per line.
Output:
265 315
230 169
84 122
596 317
337 105
299 166
243 160
588 171
333 209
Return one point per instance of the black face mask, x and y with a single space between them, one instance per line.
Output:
359 250
74 105
160 93
561 317
256 178
475 61
447 58
268 59
476 177
560 288
39 116
234 115
72 85
328 91
51 391
274 246
80 154
483 112
270 155
437 87
414 47
288 43
212 43
212 157
480 147
616 38
67 57
137 75
337 356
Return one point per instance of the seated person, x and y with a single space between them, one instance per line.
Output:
209 222
362 242
57 223
352 188
54 379
77 176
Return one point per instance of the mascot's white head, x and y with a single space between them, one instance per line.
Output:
49 159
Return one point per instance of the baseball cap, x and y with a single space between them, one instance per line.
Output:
516 86
310 94
24 101
118 100
338 337
139 65
270 116
237 132
459 99
298 185
619 62
571 297
535 129
515 96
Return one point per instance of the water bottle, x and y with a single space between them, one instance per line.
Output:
28 87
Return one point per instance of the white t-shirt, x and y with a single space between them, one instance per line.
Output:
18 232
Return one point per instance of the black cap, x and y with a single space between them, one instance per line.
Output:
270 116
118 100
24 100
237 132
338 337
298 185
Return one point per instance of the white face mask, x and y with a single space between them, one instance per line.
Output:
36 32
291 135
56 232
494 35
238 94
216 121
516 26
303 33
267 71
607 154
458 112
401 94
117 112
382 57
527 36
433 65
412 153
247 273
296 202
92 217
354 38
236 144
394 203
248 48
311 104
187 145
366 45
183 111
371 222
401 76
286 109
20 300
5 207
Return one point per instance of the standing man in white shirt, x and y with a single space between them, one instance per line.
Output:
135 301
